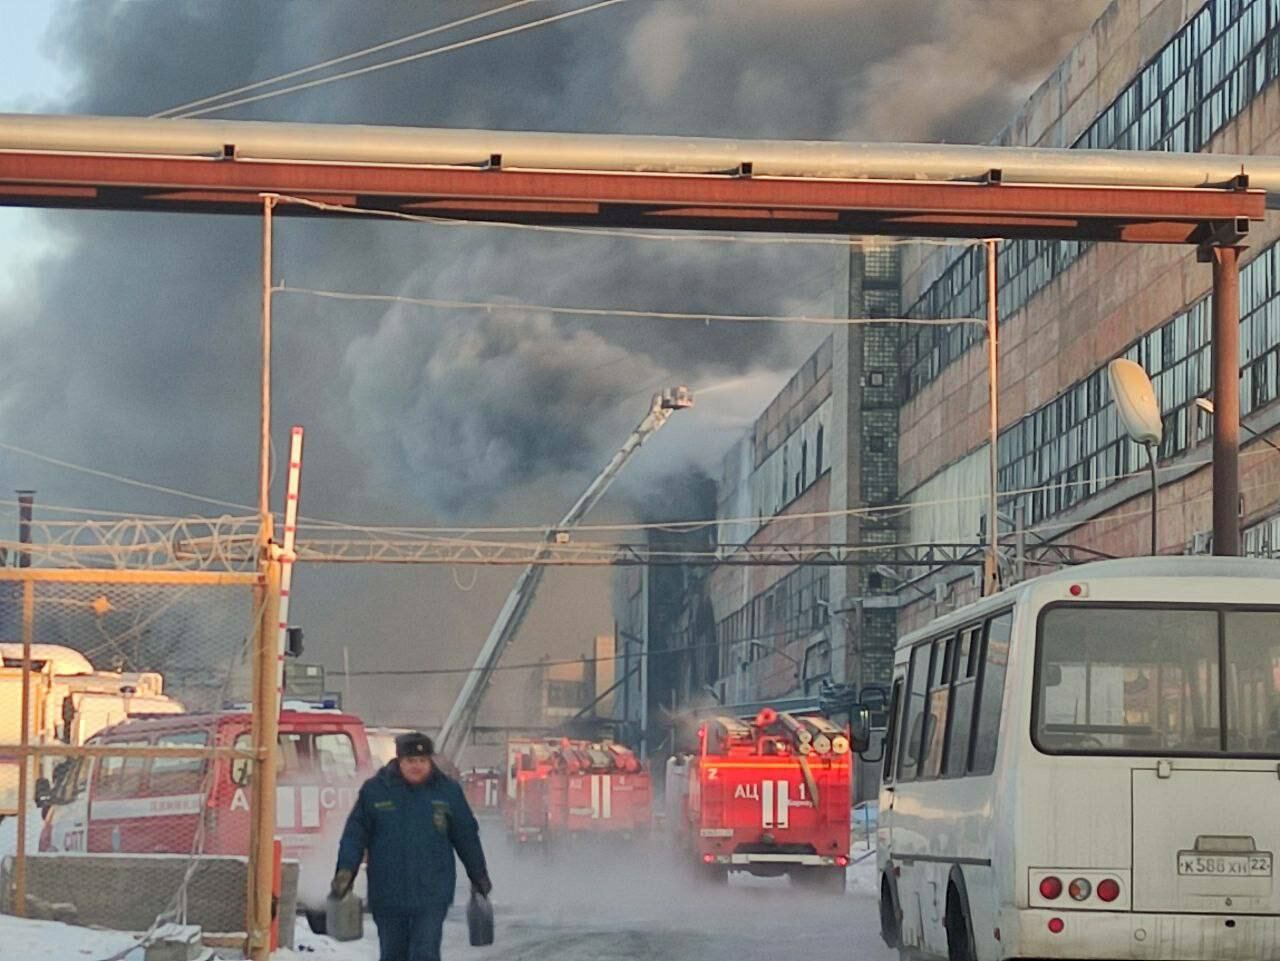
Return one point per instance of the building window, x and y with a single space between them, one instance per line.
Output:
1075 447
1199 82
565 693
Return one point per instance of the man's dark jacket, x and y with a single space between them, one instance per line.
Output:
410 832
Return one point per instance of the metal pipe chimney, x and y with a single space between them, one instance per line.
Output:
26 504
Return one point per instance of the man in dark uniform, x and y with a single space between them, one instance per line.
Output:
410 818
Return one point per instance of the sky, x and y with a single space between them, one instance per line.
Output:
28 79
127 341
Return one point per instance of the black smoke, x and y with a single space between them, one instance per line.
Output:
131 343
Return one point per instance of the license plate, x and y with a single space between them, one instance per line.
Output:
1197 864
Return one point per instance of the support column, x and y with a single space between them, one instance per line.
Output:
991 568
1226 401
265 733
264 434
27 758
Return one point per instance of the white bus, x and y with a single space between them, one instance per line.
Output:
1088 766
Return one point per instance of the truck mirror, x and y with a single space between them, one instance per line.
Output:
43 795
293 642
860 728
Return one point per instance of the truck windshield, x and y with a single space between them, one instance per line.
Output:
1151 680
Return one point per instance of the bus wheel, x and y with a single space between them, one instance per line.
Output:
890 932
960 945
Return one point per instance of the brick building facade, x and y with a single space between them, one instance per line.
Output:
1171 75
903 409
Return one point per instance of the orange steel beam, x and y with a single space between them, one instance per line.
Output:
672 201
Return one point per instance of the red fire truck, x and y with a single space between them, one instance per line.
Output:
138 805
483 787
770 796
562 789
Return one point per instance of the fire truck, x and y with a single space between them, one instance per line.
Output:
771 796
154 806
560 790
483 787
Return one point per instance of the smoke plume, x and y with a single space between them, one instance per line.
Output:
130 343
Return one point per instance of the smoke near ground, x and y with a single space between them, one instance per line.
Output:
129 342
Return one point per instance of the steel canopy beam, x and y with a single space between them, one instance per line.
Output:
1169 215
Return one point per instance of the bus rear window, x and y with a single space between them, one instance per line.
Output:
1148 680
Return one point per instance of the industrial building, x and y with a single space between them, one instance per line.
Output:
898 415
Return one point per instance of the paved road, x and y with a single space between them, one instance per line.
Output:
592 906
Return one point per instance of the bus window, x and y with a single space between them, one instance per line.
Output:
178 775
1128 680
963 686
995 662
891 733
936 719
1253 682
913 713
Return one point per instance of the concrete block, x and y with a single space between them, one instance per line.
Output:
175 942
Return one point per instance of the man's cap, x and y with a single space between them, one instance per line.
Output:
414 745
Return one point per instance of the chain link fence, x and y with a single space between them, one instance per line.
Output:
126 736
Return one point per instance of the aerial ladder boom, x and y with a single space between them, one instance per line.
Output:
458 724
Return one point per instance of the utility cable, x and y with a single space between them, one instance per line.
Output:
120 478
617 312
360 71
376 48
632 233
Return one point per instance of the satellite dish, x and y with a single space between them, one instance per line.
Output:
1136 402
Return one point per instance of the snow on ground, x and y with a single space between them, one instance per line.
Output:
862 879
22 940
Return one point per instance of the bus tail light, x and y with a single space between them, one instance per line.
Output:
1056 925
1108 890
1051 888
708 859
842 861
1080 889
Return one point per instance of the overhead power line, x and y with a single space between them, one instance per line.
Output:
408 58
121 479
314 523
633 233
355 55
489 306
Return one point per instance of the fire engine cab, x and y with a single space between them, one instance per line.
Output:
769 796
172 805
563 789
